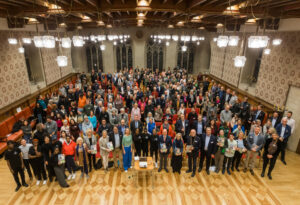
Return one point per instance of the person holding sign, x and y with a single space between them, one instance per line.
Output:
91 142
165 144
104 149
193 145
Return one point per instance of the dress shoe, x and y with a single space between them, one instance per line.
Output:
18 187
193 174
188 171
217 170
245 170
228 172
270 177
166 170
262 174
252 172
284 162
207 172
25 185
159 170
199 170
223 171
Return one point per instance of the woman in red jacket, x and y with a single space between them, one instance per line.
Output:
68 149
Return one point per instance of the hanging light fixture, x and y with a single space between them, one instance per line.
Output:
12 41
21 50
198 43
38 41
142 3
167 43
276 41
222 41
100 23
102 47
215 39
49 41
267 51
78 41
92 37
175 38
258 41
62 61
195 38
239 61
233 40
115 43
170 26
101 37
184 48
66 42
26 40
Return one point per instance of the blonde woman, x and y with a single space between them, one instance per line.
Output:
104 150
65 127
91 142
81 157
127 149
240 149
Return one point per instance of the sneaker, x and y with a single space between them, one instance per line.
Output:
18 187
73 176
44 182
155 164
252 172
87 176
38 182
69 177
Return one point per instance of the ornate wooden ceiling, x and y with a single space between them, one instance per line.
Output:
159 13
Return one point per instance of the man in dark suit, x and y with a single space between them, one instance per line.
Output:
275 119
208 149
136 124
104 126
182 126
284 131
194 141
259 114
116 138
164 140
227 96
104 115
199 126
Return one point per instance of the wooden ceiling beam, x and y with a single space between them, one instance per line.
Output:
292 7
193 3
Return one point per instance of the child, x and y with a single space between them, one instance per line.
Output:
230 145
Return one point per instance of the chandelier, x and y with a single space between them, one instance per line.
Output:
78 41
258 41
62 61
222 41
184 48
276 41
239 61
12 41
233 40
49 41
102 47
66 42
38 41
267 51
26 40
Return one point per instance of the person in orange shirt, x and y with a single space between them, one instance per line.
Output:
68 149
168 127
81 102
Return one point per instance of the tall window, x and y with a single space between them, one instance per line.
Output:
94 57
124 55
185 59
155 55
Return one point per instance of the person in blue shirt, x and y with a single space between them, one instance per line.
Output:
150 126
93 120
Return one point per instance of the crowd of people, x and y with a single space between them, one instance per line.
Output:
146 113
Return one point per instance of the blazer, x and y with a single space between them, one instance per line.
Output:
112 139
287 132
132 126
278 120
259 143
195 125
87 141
260 116
266 147
212 145
108 128
179 126
196 144
168 142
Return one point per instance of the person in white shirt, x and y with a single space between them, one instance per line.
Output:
291 122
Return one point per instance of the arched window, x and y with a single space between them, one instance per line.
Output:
185 59
94 57
124 55
155 55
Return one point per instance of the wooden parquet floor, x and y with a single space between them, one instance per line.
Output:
115 187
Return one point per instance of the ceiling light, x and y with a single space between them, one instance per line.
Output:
62 61
232 10
26 40
12 41
167 43
175 37
54 9
239 61
66 42
194 38
267 51
141 15
140 25
154 40
201 27
198 43
233 40
62 25
159 41
38 41
258 41
102 47
219 25
78 41
110 37
142 3
168 37
215 39
101 37
222 41
109 26
49 41
92 37
79 27
197 19
180 23
250 21
86 19
115 43
32 21
184 48
276 41
185 38
21 50
170 26
100 23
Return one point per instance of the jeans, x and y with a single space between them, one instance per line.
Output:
127 158
163 160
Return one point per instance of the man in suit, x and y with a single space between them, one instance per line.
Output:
122 127
275 119
255 142
104 126
104 115
259 114
208 149
194 141
116 138
164 139
284 131
182 126
227 96
136 124
160 89
199 126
